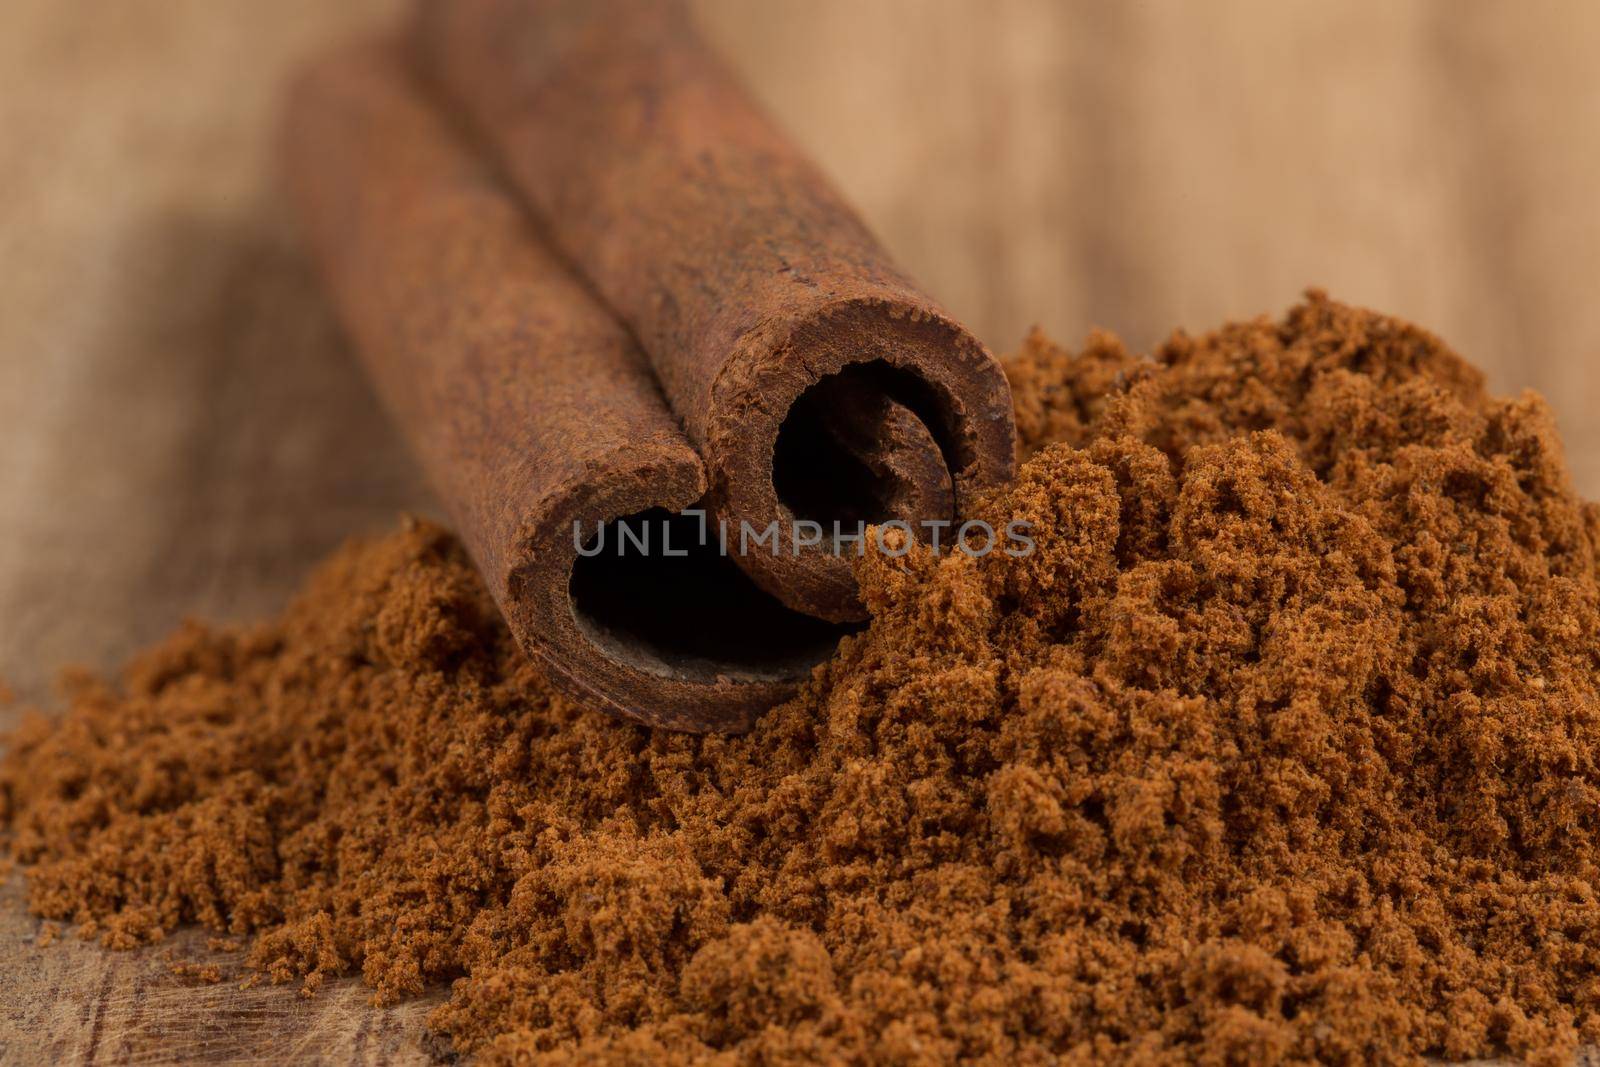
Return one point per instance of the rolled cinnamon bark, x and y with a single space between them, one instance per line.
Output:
531 409
755 291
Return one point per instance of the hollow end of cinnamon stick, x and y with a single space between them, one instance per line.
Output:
867 408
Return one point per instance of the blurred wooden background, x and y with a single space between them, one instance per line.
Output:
181 432
1147 164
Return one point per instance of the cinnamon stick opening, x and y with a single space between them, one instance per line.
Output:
865 445
691 616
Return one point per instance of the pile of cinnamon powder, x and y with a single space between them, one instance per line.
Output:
1283 744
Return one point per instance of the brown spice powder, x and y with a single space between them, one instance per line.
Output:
1281 745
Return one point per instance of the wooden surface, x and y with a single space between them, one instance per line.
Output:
181 432
70 1002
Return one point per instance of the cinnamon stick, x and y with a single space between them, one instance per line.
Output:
530 407
748 281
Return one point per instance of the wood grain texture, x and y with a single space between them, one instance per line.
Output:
73 1002
181 432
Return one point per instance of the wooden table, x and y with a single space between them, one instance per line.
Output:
181 432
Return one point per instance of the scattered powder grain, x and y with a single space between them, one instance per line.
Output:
1283 745
190 973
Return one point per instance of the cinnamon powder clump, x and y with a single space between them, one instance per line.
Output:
1281 745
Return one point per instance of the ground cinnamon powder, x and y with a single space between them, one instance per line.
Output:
1282 745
